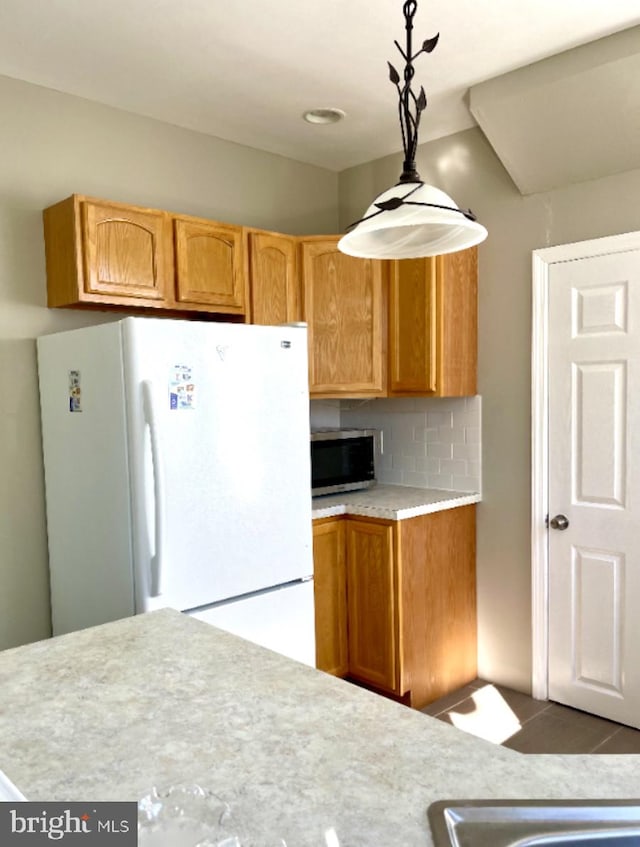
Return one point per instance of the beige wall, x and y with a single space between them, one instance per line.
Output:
465 166
52 145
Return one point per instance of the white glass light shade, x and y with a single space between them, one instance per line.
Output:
410 232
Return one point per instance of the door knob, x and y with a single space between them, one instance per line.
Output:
559 522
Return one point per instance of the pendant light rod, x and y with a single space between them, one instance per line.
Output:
410 107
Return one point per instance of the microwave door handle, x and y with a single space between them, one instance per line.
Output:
157 560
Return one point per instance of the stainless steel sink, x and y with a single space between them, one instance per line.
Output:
535 823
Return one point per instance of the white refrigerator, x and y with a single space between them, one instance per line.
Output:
177 473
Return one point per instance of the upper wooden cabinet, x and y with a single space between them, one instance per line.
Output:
433 331
412 326
210 264
99 252
273 277
429 306
376 328
344 307
114 254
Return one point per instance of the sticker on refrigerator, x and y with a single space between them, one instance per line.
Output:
75 392
182 389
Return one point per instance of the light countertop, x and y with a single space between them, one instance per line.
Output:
162 698
392 502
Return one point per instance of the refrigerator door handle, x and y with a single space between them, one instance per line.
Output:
157 560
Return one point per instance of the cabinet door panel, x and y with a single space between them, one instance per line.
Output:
125 251
457 275
209 267
330 584
433 333
273 279
371 599
412 313
343 305
438 598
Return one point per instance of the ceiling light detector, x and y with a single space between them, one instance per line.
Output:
324 116
411 219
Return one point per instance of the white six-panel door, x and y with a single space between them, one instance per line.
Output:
594 482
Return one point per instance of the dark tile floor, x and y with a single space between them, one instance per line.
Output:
517 721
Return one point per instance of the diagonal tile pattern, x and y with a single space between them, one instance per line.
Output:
521 723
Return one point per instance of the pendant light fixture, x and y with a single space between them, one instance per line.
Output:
412 219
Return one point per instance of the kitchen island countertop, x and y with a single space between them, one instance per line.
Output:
162 698
391 502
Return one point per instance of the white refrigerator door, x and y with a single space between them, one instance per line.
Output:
84 437
281 620
218 420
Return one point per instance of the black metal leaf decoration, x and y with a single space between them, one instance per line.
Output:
394 76
430 44
390 205
421 103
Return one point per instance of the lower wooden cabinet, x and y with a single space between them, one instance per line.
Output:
371 603
408 625
330 587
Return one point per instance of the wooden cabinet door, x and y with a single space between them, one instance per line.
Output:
438 599
330 588
433 331
273 278
457 295
372 604
343 307
412 327
210 264
127 252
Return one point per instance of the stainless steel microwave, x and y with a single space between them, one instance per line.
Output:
342 460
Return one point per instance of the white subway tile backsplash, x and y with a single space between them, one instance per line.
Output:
400 404
441 481
449 466
464 483
429 442
474 408
414 448
385 462
428 465
474 469
439 419
470 452
408 423
420 433
451 434
403 463
393 477
472 434
416 479
440 450
324 414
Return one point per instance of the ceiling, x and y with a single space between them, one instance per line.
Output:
247 71
551 122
